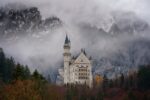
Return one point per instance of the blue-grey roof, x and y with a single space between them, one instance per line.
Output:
67 40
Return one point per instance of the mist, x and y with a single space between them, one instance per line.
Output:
87 23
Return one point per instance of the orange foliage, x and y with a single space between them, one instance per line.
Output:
98 80
35 90
31 90
56 92
20 90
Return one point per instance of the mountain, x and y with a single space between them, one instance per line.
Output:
22 21
128 31
127 23
135 54
120 23
125 29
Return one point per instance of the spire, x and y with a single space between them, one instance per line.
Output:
1 50
83 50
67 39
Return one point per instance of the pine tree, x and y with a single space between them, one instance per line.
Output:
10 66
122 80
49 78
105 82
27 73
7 66
37 76
144 78
19 72
2 63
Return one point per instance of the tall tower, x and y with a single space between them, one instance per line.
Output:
67 59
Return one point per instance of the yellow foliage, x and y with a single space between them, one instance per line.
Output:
98 79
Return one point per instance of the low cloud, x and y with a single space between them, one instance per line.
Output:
45 50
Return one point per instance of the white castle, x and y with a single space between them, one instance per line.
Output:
77 70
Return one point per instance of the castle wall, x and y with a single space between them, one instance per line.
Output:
77 71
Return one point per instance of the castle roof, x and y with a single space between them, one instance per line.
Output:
1 50
67 40
82 58
83 50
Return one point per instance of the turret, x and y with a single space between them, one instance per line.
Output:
67 47
1 50
67 59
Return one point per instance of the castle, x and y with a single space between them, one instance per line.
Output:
77 70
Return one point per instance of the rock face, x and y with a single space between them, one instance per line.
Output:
122 23
127 23
134 55
23 21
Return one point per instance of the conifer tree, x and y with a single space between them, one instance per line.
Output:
105 82
27 73
144 78
122 80
37 76
19 72
2 63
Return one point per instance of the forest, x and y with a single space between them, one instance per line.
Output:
18 83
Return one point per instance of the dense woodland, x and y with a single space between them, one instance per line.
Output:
18 83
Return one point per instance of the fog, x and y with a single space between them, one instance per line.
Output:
82 20
85 9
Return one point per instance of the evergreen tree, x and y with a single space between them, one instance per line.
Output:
19 72
2 63
9 69
105 82
27 73
49 78
6 67
122 80
144 78
37 76
111 84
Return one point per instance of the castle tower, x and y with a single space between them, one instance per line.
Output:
67 59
